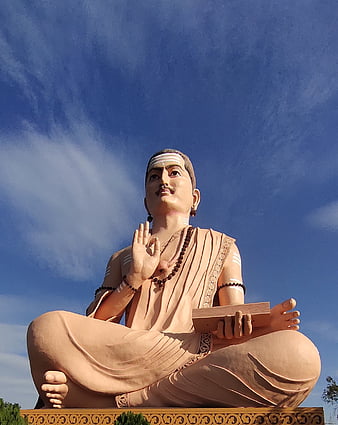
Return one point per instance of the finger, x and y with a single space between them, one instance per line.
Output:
228 329
238 328
157 247
220 329
146 232
247 327
135 237
140 233
151 247
219 332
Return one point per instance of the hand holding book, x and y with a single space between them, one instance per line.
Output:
252 315
237 321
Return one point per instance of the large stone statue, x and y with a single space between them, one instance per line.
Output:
157 358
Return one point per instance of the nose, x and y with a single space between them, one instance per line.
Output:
164 177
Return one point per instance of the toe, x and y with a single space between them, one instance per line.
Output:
289 304
55 377
54 396
55 401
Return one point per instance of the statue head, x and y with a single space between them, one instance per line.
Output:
187 163
166 157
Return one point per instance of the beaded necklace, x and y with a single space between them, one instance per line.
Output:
161 282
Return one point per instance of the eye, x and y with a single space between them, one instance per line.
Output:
152 177
175 172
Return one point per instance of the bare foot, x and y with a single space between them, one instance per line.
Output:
55 388
283 316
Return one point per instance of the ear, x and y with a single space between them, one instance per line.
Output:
145 205
196 196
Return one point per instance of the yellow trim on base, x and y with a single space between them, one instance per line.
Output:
181 416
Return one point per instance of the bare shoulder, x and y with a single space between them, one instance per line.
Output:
120 255
234 248
119 263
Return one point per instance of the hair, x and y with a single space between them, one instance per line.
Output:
187 164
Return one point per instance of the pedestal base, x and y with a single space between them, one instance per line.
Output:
181 416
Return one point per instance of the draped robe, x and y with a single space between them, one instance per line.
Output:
157 359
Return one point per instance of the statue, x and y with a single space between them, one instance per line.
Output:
157 359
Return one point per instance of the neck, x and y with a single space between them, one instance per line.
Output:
164 226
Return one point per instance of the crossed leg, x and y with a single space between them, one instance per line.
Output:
76 368
58 389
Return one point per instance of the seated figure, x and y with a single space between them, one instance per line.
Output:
157 359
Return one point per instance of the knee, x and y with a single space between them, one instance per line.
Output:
44 331
292 354
309 356
302 354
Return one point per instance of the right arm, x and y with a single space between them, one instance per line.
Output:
145 255
110 300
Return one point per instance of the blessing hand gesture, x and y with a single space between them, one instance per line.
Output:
145 254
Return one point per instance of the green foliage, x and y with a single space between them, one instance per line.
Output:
130 418
330 393
10 414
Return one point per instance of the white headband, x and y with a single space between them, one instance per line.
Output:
164 159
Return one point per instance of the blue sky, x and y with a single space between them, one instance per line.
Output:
89 90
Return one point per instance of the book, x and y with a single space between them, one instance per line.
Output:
206 319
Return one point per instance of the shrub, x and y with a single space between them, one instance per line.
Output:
130 418
330 393
10 414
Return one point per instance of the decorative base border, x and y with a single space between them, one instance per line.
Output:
181 416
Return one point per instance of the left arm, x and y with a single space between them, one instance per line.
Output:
230 283
231 291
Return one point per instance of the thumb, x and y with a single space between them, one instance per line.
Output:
157 247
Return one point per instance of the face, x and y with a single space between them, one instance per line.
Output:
168 187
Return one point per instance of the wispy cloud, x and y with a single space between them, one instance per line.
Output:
48 64
284 58
325 217
300 42
73 198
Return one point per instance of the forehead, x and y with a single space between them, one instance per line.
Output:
165 160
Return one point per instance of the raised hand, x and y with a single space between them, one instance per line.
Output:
145 254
